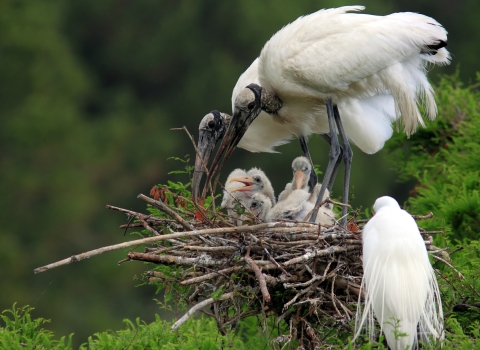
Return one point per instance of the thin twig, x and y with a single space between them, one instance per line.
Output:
163 207
260 277
198 307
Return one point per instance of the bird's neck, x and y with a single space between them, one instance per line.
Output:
270 102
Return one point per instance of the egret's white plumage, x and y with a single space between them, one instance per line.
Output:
399 282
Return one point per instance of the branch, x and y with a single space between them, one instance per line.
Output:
198 307
316 253
203 260
211 275
260 278
273 226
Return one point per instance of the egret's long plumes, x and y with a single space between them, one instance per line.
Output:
399 283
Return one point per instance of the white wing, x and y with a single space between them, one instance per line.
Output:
339 54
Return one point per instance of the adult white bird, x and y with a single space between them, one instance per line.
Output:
399 283
370 68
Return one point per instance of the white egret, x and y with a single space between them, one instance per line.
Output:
370 68
399 283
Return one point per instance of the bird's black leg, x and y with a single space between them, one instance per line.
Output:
337 164
347 159
312 182
334 154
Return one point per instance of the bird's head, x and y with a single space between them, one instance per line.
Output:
301 172
260 205
211 129
384 202
247 107
253 184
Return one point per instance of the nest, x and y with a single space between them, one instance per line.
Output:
307 275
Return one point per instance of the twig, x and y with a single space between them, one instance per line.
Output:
421 217
316 253
211 275
147 226
214 231
163 207
198 307
260 277
210 249
202 260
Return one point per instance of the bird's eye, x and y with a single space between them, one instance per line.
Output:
211 124
251 105
254 205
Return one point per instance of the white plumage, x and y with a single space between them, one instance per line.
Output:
260 205
399 282
369 69
231 198
371 66
241 186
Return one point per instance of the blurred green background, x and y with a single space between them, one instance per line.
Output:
88 93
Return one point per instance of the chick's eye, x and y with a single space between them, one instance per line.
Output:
251 105
254 205
211 124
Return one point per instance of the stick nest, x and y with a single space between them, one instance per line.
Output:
306 275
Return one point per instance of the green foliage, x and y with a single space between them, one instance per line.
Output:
20 331
444 158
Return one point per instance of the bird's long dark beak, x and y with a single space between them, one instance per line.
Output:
205 146
239 124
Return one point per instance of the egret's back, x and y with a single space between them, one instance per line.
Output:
399 283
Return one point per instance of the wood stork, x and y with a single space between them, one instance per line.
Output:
211 129
399 282
255 181
231 199
241 186
260 205
370 69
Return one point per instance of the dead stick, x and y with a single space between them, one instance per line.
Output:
260 277
163 207
198 307
214 231
210 249
315 253
172 259
147 226
210 275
